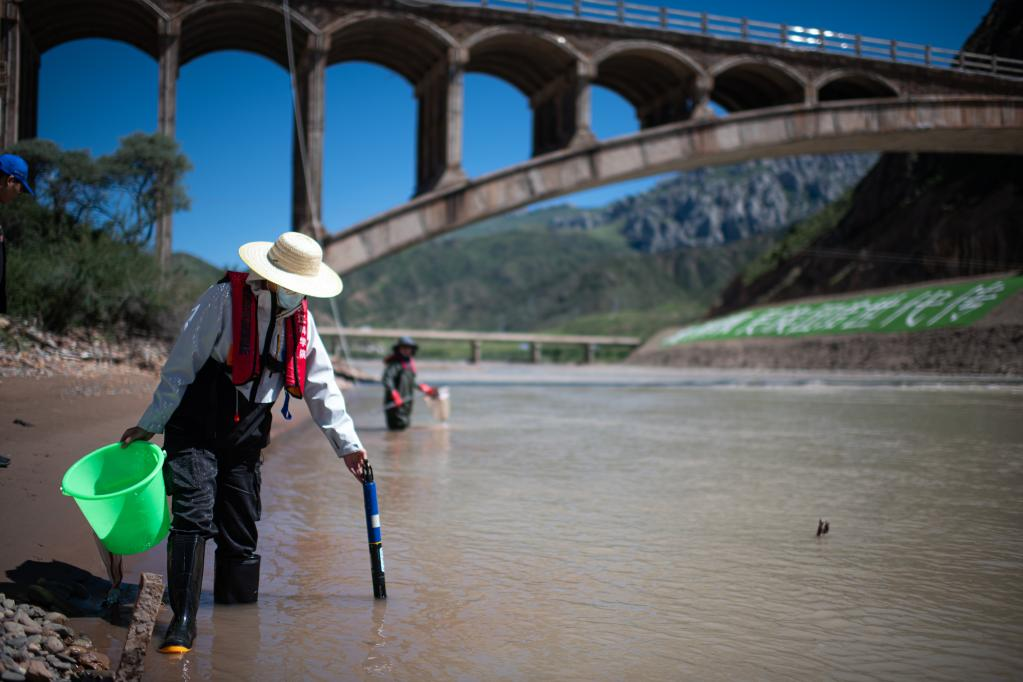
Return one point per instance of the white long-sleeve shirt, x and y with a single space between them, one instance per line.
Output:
207 334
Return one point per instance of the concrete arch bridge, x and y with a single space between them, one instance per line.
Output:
787 90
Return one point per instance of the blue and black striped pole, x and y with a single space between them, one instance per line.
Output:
376 550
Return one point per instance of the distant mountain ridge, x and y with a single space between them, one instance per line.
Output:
656 258
719 205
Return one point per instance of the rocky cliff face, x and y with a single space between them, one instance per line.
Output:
914 217
716 206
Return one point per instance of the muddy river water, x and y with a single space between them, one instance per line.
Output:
628 525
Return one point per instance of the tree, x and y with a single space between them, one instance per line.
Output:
146 172
123 193
69 183
78 253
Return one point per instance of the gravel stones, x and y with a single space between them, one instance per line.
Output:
28 350
38 646
14 629
38 671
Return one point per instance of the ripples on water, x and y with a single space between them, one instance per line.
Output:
583 533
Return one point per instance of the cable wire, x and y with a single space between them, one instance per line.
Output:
304 158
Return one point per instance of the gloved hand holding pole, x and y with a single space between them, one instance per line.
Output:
376 550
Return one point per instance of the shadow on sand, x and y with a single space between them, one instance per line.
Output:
58 586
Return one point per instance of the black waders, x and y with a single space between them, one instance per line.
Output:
236 579
185 554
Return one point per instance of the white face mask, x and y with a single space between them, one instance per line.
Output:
288 300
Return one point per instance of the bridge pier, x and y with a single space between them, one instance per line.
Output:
534 352
307 177
583 135
170 38
702 89
561 114
439 130
28 87
20 80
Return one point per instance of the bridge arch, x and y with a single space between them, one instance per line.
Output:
976 124
852 84
55 22
744 83
412 51
423 54
657 80
547 69
527 58
248 25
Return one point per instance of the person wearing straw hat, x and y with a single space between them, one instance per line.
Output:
399 382
249 339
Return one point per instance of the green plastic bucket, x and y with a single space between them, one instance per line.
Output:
121 493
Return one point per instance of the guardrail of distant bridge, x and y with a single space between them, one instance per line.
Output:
751 30
589 343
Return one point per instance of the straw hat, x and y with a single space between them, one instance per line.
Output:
294 261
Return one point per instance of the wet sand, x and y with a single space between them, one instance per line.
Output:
43 534
69 417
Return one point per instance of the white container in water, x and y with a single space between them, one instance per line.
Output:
441 405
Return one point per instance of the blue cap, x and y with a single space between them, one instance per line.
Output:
15 166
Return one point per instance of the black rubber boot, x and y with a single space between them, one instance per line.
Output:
236 579
185 554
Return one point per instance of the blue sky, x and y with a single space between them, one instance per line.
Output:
234 118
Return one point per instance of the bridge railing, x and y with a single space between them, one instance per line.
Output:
752 30
588 343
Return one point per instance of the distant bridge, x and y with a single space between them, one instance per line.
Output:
788 89
589 343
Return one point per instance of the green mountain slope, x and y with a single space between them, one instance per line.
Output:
656 259
511 280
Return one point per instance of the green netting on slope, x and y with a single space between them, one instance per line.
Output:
916 309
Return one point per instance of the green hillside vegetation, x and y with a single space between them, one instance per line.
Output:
188 268
508 280
797 238
78 254
515 273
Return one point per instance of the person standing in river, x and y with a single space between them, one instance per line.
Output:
249 339
399 382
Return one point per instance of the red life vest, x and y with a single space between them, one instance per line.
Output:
245 359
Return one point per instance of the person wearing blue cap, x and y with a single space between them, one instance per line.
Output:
13 179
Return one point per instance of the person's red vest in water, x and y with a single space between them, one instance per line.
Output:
245 358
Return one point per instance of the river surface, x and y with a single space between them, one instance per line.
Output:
637 524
